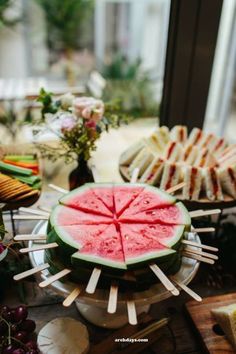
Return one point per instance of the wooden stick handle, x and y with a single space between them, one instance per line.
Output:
164 280
33 211
39 248
134 176
189 291
30 217
71 297
113 295
198 258
197 213
92 283
175 188
199 245
203 229
132 315
29 237
201 253
54 277
58 189
32 271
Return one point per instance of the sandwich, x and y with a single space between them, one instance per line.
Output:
179 133
226 318
208 141
212 184
190 153
171 175
205 159
131 153
192 177
141 161
227 177
219 146
173 152
228 157
153 173
195 137
158 140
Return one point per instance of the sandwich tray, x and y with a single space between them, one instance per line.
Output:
203 202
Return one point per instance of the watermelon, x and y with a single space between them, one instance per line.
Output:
124 194
85 200
147 199
119 227
175 214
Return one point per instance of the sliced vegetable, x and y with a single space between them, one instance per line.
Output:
15 169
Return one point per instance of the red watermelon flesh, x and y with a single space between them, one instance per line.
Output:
173 214
78 235
63 216
106 196
140 247
147 200
86 201
123 196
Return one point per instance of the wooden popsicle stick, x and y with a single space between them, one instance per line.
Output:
197 213
54 277
163 279
29 272
30 217
71 297
93 280
44 208
189 291
39 248
198 258
112 302
132 314
203 229
134 176
204 254
33 211
200 245
58 189
175 188
29 237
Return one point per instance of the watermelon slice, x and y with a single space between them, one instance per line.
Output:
124 194
150 198
84 199
105 250
141 249
64 216
104 193
168 235
174 214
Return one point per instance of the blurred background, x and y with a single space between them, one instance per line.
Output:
107 48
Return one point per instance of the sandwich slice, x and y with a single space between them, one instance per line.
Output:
171 175
173 152
219 146
190 154
205 159
179 133
131 153
208 141
227 177
226 318
195 137
192 176
141 161
152 175
228 157
212 184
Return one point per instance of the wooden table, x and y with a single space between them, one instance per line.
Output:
45 305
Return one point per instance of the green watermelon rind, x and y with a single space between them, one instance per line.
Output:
186 217
174 242
83 260
166 196
157 257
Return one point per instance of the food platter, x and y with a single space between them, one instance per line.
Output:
203 202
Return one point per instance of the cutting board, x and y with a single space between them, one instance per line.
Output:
206 325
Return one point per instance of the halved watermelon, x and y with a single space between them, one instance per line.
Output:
84 199
124 194
105 250
175 214
150 198
142 249
64 216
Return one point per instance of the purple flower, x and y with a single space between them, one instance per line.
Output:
2 248
68 123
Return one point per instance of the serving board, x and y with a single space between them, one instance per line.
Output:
206 325
203 202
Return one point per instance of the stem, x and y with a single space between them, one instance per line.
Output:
9 329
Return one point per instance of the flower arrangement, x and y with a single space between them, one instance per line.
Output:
77 122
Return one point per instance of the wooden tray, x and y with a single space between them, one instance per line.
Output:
20 149
202 203
206 325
